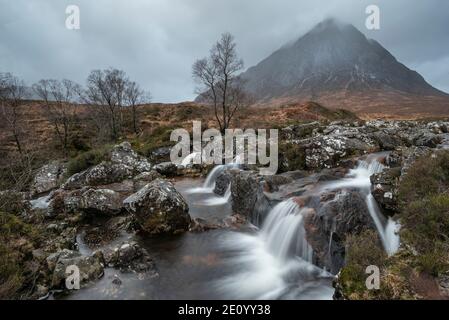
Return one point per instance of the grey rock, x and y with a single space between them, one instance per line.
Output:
48 177
167 169
159 208
90 267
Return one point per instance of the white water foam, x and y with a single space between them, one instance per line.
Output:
41 203
275 262
360 178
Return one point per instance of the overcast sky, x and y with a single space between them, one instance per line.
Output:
156 41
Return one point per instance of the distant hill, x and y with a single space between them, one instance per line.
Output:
336 65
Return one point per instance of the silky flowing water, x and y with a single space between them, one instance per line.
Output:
268 261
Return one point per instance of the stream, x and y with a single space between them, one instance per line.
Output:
270 261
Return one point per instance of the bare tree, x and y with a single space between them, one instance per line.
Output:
134 96
219 83
106 91
59 98
12 93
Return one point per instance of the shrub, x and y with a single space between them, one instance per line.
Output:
363 250
291 157
11 278
15 234
87 159
157 138
424 212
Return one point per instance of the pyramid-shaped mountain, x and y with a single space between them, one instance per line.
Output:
335 64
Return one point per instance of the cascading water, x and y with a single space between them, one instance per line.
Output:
216 200
360 178
209 183
283 231
276 261
41 203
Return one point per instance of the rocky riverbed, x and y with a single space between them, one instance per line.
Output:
138 229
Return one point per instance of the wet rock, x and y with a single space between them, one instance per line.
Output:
328 225
235 221
248 197
385 189
129 256
167 169
245 187
159 208
272 183
394 159
48 177
90 267
222 183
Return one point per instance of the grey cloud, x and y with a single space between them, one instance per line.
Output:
156 41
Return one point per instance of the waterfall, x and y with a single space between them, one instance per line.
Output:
276 262
283 231
217 200
209 183
360 178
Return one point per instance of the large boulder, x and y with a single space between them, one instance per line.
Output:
248 196
102 201
125 156
327 151
338 215
86 200
90 267
159 208
129 256
125 163
48 177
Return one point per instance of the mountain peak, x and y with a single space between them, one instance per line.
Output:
330 23
333 58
